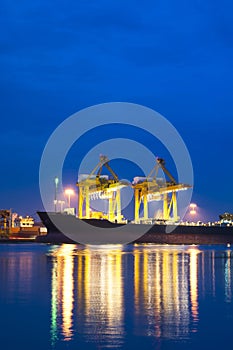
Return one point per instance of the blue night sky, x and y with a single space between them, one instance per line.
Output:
175 57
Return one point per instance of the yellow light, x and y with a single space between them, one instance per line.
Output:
103 278
194 282
192 205
62 302
67 293
69 192
193 212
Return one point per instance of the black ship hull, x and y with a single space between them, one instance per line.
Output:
156 233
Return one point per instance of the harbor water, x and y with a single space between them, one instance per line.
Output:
116 297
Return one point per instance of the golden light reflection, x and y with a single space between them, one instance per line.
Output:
136 279
157 277
67 293
54 311
165 280
103 288
98 289
145 273
62 297
194 282
164 284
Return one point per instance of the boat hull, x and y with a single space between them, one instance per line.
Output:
157 233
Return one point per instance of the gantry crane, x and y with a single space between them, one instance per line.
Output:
153 188
100 186
5 218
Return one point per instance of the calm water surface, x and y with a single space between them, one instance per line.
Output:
116 297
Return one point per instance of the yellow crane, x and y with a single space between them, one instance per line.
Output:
5 218
153 188
96 185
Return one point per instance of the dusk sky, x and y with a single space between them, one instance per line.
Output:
175 57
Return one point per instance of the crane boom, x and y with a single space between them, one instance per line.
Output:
161 163
105 162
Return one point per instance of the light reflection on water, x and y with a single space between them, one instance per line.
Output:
227 274
119 297
62 298
96 289
94 279
165 284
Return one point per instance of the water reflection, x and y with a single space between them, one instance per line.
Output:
99 293
103 296
62 297
194 283
227 274
95 277
165 286
17 270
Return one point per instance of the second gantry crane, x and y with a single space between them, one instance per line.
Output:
153 188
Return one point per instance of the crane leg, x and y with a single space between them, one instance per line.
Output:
87 198
118 205
174 201
165 206
80 203
145 206
136 204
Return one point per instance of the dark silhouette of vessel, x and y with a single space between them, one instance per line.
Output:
157 233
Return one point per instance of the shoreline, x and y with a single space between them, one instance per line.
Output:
33 241
17 240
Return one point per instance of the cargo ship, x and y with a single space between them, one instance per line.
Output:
96 227
157 232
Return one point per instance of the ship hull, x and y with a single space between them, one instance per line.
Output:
157 233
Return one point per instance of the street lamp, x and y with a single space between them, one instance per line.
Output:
56 180
69 192
61 204
193 207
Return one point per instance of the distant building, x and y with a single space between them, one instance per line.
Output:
69 211
26 221
20 221
226 217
